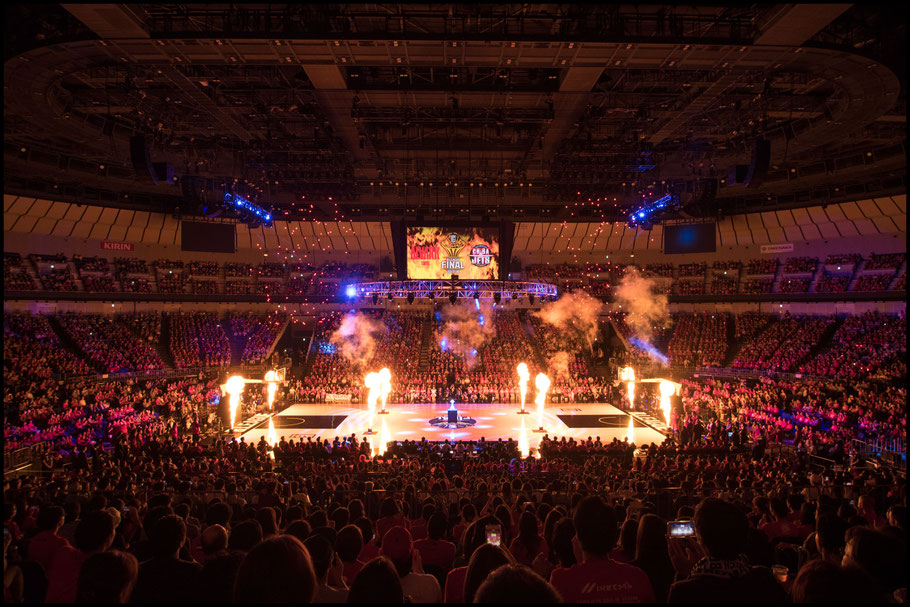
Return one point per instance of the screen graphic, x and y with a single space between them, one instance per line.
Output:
690 238
471 253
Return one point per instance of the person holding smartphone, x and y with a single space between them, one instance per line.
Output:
711 565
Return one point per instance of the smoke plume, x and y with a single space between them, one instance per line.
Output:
466 329
574 316
645 310
354 338
558 364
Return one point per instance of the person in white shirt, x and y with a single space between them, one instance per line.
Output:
419 586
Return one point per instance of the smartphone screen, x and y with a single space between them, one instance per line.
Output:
680 529
494 534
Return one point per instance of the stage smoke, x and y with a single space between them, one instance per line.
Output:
467 328
558 364
575 316
645 310
354 338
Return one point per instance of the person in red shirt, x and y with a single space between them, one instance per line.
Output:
436 552
390 517
780 527
598 578
44 546
94 534
348 545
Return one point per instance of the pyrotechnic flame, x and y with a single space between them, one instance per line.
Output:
271 377
385 438
273 435
372 382
385 385
628 375
630 431
234 387
523 376
667 389
523 439
543 384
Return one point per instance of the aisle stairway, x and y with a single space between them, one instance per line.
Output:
163 345
67 342
824 343
237 343
426 344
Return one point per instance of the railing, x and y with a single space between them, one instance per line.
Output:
246 370
892 452
18 457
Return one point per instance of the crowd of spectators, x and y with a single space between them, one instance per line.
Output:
724 285
109 344
238 287
800 265
233 268
660 269
204 287
871 344
203 268
761 267
134 284
872 282
58 279
171 282
794 285
784 344
270 270
727 266
758 285
169 264
692 286
843 259
699 340
131 265
18 279
99 284
218 521
91 264
197 339
891 261
32 352
687 270
832 283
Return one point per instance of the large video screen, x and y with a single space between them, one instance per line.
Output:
207 237
690 238
471 253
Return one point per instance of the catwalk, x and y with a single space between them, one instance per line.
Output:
411 422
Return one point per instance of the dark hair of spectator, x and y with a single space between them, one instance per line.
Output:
277 570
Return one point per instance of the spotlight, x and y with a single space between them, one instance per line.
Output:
453 298
350 291
410 298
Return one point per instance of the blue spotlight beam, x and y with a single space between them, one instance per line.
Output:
650 350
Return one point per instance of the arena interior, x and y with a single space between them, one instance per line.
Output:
454 303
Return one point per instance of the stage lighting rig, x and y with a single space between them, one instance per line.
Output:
650 213
249 212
